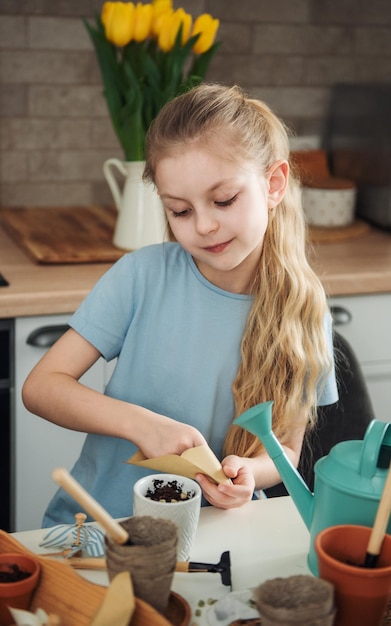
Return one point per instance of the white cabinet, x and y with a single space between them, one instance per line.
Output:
365 322
38 445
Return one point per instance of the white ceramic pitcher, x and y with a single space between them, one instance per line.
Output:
141 220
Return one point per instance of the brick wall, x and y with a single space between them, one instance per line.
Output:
54 128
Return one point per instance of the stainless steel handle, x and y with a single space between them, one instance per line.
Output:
46 336
340 315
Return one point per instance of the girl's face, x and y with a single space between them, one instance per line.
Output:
218 212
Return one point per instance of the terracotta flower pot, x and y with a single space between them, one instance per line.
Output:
17 594
361 593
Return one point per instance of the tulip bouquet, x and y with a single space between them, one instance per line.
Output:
148 54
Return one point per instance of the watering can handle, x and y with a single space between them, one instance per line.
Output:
112 182
372 443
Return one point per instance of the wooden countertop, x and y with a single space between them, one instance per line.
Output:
42 289
361 265
357 266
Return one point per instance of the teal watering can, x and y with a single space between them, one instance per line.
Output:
348 481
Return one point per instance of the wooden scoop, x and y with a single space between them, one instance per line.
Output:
380 525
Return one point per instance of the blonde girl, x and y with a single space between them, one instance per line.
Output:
285 350
224 316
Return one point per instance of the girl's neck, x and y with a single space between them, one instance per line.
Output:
237 280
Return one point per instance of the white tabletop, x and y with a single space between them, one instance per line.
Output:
266 539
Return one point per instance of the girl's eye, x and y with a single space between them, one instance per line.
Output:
227 202
183 213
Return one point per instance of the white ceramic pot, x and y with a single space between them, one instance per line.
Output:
185 513
329 207
141 219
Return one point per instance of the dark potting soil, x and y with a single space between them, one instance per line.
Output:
13 574
168 491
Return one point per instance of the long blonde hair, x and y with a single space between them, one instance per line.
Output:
284 352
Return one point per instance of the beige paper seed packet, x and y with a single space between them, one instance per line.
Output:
198 460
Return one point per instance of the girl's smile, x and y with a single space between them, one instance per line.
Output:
218 211
218 247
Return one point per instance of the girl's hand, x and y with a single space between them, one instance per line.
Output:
164 435
225 496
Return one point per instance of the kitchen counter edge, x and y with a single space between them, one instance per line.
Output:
357 266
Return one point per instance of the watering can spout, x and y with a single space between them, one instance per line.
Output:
258 421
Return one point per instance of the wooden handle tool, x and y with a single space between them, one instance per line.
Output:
223 567
63 478
380 525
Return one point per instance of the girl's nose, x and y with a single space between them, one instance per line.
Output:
206 222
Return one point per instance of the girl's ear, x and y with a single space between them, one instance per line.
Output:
277 178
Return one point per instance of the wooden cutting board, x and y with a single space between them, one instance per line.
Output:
63 234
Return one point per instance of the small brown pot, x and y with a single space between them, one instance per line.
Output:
295 601
17 594
361 593
150 557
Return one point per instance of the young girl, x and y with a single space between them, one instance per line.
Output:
226 315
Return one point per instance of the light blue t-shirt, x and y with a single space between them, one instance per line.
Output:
177 338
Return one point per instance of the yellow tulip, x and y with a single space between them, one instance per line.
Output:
164 38
158 21
161 6
186 20
117 18
142 21
106 12
168 29
207 26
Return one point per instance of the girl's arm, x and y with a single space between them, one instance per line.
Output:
53 391
249 475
